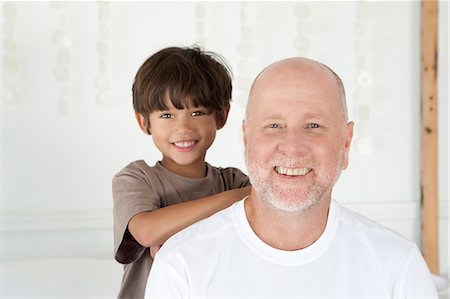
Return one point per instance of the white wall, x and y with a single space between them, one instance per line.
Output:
68 126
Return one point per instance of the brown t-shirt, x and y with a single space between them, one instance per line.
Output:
138 188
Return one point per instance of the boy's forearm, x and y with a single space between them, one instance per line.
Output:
154 228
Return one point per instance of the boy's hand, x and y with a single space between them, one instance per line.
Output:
238 194
154 250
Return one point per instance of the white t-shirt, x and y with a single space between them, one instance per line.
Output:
221 257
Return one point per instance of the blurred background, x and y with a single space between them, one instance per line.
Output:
67 123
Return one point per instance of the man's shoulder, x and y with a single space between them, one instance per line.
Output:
207 231
371 231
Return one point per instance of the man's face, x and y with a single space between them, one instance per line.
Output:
296 138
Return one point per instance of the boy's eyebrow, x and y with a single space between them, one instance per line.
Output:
184 108
198 107
161 111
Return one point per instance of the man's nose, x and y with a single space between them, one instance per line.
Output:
293 143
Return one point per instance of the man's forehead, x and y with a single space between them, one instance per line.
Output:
296 98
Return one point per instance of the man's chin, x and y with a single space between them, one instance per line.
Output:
292 202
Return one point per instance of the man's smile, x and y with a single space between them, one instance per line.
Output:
292 171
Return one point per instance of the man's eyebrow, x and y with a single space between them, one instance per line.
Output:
308 115
268 116
315 115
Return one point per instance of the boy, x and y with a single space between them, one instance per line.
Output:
181 97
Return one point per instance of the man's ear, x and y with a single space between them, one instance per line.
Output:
143 123
347 143
221 119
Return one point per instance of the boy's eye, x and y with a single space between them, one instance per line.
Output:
166 115
197 113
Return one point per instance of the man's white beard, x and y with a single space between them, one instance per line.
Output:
289 197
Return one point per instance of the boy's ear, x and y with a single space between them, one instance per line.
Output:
222 116
143 124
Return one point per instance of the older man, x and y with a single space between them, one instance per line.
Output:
289 238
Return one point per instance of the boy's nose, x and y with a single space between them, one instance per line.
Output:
184 125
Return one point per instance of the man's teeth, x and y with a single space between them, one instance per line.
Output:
184 144
292 171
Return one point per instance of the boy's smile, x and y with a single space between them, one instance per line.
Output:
184 146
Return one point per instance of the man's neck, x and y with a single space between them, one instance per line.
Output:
286 230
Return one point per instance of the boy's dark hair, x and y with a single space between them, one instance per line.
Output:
189 76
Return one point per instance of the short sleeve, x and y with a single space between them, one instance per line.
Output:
133 193
416 281
167 281
234 178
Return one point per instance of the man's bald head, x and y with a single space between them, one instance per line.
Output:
300 69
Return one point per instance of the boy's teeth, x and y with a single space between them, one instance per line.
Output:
292 171
183 144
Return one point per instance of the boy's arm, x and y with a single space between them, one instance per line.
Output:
154 228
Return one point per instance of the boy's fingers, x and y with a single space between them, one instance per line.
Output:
154 250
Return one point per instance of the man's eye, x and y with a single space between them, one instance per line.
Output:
166 115
197 113
313 126
274 126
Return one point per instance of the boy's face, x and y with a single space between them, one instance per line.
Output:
183 136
